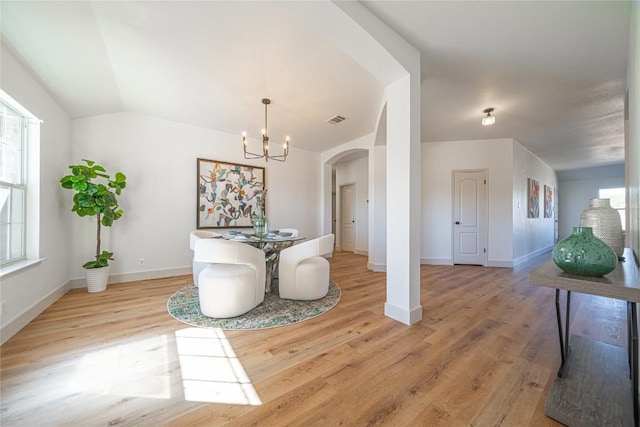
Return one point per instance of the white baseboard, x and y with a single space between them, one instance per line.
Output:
132 277
408 317
12 327
436 261
355 251
490 262
499 263
532 255
377 267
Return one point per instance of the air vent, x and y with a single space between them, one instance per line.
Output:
336 119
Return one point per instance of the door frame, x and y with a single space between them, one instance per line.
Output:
339 225
485 226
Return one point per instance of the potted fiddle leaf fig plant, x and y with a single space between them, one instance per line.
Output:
95 195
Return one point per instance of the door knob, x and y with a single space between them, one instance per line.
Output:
457 222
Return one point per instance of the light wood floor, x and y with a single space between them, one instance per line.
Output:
485 354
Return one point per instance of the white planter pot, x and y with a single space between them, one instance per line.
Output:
97 278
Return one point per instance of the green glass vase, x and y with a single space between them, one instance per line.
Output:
584 254
260 226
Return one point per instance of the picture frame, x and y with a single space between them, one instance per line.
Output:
533 198
548 201
228 193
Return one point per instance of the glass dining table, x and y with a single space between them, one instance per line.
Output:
271 244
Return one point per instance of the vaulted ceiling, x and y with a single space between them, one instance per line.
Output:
555 72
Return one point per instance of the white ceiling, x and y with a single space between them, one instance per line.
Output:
553 71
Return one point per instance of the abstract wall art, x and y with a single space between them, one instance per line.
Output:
533 198
228 193
548 201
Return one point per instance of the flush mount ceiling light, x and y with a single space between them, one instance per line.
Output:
265 142
488 120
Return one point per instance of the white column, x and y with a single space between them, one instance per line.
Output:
325 191
378 208
403 201
396 63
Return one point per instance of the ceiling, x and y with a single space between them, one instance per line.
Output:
553 71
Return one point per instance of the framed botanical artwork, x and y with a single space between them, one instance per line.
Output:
228 194
548 201
533 198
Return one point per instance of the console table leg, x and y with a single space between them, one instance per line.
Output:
629 339
564 340
634 355
567 350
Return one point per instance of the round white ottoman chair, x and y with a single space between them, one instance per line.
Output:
227 290
312 278
233 280
304 272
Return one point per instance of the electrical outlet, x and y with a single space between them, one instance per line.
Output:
141 262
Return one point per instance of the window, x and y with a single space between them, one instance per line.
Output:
15 125
616 198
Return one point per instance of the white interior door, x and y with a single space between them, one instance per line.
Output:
555 216
469 217
348 216
333 213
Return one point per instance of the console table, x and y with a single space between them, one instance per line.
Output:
593 387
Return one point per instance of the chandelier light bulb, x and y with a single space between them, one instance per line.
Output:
488 120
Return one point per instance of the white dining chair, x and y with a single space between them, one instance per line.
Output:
303 271
193 237
233 281
294 233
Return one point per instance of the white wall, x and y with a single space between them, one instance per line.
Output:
378 209
531 236
439 159
29 292
159 159
577 187
355 172
633 132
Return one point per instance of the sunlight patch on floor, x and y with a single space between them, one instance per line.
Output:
139 368
211 371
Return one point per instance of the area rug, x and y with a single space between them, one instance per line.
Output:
273 312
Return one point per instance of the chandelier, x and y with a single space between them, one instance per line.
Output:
265 142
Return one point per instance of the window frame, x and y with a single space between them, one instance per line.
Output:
622 211
29 129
